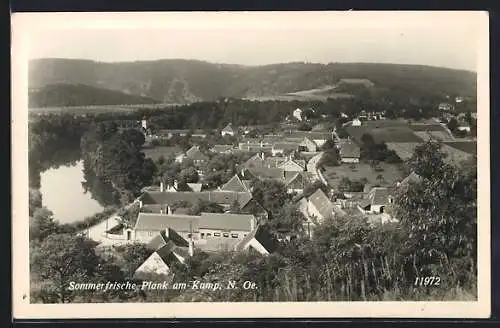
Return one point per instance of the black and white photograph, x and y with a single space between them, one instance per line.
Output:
261 164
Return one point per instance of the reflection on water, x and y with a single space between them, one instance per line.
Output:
64 195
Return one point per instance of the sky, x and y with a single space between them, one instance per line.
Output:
446 39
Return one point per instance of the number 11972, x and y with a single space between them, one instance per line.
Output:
427 281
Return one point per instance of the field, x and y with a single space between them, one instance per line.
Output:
80 110
389 172
319 94
469 147
396 133
155 152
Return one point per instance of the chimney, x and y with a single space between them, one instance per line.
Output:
252 223
169 210
262 155
191 247
140 203
161 186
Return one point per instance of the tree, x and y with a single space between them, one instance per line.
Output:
331 157
380 178
271 194
453 125
42 224
133 137
427 159
329 145
288 219
61 259
35 200
133 256
304 127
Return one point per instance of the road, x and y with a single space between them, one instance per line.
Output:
312 168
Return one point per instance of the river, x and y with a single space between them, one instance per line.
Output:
63 194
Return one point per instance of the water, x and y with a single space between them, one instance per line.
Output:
63 194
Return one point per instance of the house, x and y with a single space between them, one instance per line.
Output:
463 126
144 124
445 107
293 181
308 145
297 114
260 160
227 131
284 148
356 122
349 152
259 240
319 206
222 149
293 165
174 187
237 185
376 201
195 154
319 138
194 227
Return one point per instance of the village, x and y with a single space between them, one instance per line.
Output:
327 170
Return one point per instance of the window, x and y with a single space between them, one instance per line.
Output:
150 233
202 235
189 235
216 234
234 235
226 235
209 234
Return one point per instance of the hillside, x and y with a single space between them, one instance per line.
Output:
61 95
184 81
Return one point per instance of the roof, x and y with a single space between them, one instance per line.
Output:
228 128
379 196
165 237
222 148
192 197
263 236
312 135
169 257
257 161
235 184
217 244
411 178
267 172
349 149
188 223
226 221
195 153
298 162
285 145
291 176
465 146
322 203
158 222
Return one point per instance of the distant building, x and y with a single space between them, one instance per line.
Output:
376 201
308 145
222 149
298 114
356 122
228 130
463 126
284 148
445 107
349 152
144 124
194 153
237 185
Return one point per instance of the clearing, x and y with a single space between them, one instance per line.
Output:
390 173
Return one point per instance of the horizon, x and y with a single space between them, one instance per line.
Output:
249 66
438 39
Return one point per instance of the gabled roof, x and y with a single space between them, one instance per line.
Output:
228 128
321 202
411 178
266 172
312 135
159 222
215 196
222 148
195 153
267 162
263 236
379 196
226 221
299 163
167 238
349 149
285 145
291 176
235 184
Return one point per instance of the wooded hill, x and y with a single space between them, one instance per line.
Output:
186 81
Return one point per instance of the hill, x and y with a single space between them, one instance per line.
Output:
58 95
185 81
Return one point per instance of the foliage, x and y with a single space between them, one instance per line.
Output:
205 206
370 150
271 194
346 184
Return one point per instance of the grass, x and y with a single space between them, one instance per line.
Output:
390 172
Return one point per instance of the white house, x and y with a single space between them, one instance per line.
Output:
144 124
376 201
356 122
297 114
227 131
463 126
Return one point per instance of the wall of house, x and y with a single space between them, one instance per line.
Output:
349 160
203 234
313 211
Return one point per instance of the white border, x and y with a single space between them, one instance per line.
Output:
22 24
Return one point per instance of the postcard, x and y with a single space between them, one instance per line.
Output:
251 165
